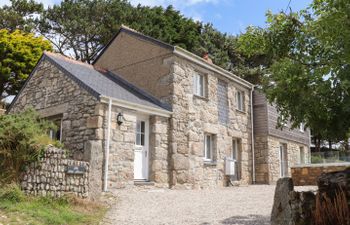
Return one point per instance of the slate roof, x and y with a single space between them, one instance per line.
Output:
106 83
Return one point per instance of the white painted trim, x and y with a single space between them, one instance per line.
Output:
137 107
206 159
105 180
198 60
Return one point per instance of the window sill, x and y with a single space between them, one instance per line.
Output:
209 163
241 111
200 97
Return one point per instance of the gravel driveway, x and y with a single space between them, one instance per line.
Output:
249 205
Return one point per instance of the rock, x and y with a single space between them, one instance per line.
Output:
281 211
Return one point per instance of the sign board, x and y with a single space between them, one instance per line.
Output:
75 170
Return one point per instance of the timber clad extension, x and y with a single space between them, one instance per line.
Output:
150 113
276 148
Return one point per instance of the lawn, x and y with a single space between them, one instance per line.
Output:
16 208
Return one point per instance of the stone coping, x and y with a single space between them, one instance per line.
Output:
321 165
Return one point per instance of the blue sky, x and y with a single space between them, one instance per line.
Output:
230 16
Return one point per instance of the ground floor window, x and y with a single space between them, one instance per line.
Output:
236 146
56 134
209 147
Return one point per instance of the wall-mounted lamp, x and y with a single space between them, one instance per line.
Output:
120 118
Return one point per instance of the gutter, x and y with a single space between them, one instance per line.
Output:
252 125
137 107
105 180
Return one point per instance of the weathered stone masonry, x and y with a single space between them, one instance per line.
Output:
192 118
54 94
50 176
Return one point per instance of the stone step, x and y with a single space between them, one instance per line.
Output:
143 183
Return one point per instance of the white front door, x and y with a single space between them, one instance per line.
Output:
141 150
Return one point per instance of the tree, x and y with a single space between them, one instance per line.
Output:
307 58
23 138
19 15
19 53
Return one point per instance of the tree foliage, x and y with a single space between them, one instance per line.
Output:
23 137
307 59
20 14
80 28
19 52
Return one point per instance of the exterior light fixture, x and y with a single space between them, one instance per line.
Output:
120 118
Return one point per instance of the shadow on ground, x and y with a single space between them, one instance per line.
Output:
245 220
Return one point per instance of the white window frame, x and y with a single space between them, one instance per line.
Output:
199 84
139 132
234 154
52 133
240 101
206 157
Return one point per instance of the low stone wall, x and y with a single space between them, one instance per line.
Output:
56 175
308 174
291 207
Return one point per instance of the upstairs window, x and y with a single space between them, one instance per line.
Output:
240 100
199 85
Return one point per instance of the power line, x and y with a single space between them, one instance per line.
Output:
288 6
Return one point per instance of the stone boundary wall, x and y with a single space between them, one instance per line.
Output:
55 175
291 207
308 174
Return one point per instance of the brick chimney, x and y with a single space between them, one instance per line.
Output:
207 58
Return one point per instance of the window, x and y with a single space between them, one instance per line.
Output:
208 147
140 133
235 149
199 84
240 100
302 127
302 155
56 134
223 110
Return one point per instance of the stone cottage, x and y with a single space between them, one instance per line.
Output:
147 113
276 149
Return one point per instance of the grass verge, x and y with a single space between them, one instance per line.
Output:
16 208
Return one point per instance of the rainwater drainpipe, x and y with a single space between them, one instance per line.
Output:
105 180
252 125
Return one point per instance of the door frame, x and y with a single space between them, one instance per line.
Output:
146 119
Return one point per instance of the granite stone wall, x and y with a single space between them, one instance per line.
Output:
293 157
55 175
57 97
159 151
195 116
308 174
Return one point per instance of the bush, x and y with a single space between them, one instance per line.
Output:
332 211
11 193
23 137
316 159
